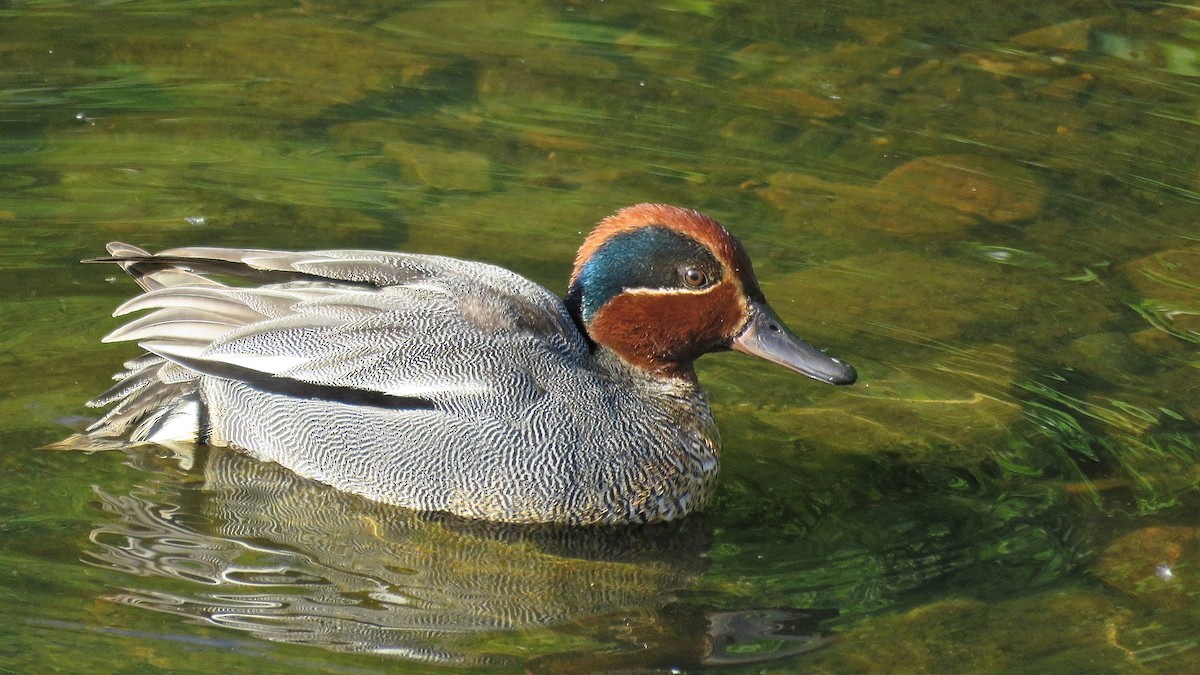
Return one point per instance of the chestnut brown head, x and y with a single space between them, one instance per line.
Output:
662 285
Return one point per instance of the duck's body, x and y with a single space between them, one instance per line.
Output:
447 385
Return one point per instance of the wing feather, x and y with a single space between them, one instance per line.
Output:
384 328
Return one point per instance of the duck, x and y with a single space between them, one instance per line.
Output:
438 384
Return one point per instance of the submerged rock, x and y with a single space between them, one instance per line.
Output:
1054 631
282 79
1110 355
854 210
441 169
929 196
950 411
987 187
1169 285
1155 564
1071 36
792 101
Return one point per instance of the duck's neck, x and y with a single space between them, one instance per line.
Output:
675 379
619 359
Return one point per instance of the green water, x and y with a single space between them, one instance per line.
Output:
990 209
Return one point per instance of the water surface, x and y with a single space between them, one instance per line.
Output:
991 211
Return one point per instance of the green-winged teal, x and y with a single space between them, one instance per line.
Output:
447 385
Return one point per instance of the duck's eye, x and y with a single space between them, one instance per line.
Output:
694 277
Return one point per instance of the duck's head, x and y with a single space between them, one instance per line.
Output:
660 286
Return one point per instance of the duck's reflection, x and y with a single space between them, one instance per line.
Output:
248 545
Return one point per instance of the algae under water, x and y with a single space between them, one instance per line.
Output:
990 210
